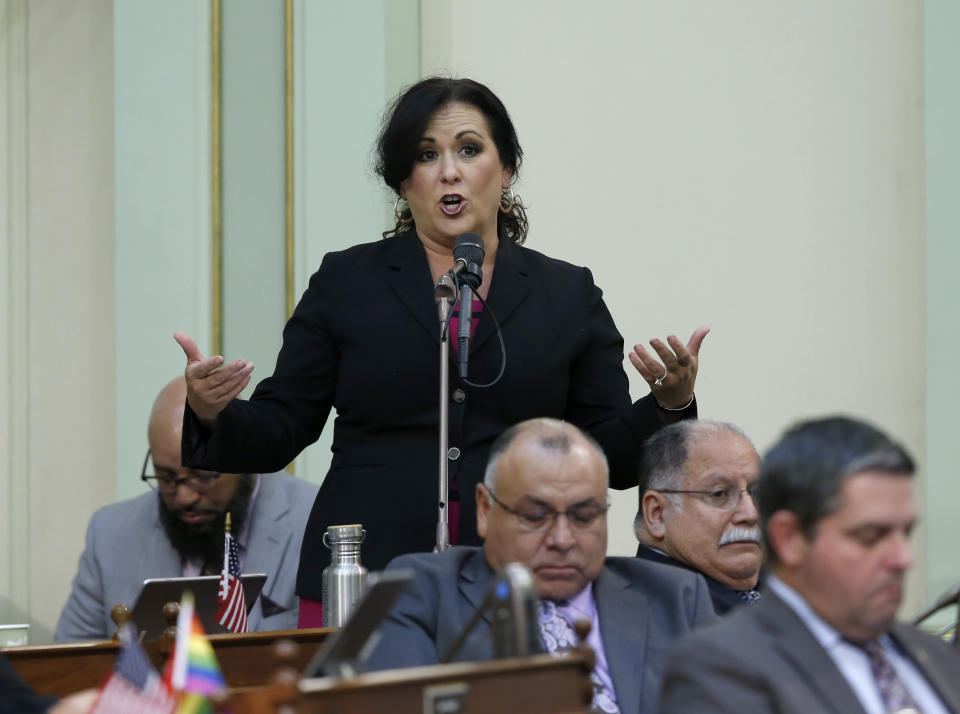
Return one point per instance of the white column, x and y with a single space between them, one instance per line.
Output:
57 355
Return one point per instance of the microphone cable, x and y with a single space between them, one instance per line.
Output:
445 334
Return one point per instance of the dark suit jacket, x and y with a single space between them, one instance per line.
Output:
764 659
641 607
723 598
16 697
365 340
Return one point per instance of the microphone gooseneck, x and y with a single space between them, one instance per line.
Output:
511 603
468 257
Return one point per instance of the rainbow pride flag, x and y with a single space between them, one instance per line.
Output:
193 671
190 703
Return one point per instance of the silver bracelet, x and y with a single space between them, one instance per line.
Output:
678 409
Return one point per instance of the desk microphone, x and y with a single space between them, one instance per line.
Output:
514 613
512 603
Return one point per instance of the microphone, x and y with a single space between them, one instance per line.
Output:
468 256
514 613
512 603
951 597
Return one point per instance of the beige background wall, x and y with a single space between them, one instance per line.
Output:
942 154
162 231
753 166
56 344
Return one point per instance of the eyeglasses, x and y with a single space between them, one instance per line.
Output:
723 498
199 481
536 518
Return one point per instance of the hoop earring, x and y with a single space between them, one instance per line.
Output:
404 217
507 200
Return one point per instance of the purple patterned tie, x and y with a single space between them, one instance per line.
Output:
558 636
892 690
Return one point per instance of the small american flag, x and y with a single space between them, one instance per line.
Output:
232 610
133 687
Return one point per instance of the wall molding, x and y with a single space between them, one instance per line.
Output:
289 159
216 176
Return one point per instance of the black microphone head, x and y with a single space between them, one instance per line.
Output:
468 249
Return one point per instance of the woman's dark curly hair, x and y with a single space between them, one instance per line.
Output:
406 119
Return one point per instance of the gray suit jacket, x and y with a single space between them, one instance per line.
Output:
764 659
642 606
126 544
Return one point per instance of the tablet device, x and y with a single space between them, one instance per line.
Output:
344 652
147 614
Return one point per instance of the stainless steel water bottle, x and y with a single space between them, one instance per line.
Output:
344 578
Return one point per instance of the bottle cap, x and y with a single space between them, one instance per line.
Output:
352 533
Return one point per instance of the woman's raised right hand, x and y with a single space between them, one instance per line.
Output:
211 384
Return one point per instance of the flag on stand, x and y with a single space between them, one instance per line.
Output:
193 671
232 610
134 687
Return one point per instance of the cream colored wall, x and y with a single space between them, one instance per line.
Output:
339 201
942 24
162 258
103 100
753 166
56 329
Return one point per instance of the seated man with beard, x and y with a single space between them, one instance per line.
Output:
178 530
697 510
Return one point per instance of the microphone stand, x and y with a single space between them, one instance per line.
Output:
445 295
951 597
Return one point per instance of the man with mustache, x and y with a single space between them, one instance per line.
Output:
543 503
696 508
178 530
837 510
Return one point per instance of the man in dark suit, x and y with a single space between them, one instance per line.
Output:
696 508
543 503
837 511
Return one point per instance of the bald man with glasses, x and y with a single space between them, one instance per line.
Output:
543 503
177 529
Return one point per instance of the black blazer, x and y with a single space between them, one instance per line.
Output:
365 340
16 697
724 598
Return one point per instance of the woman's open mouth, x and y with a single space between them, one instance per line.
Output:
451 204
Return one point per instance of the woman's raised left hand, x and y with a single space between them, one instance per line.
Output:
671 381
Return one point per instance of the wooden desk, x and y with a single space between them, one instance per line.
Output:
246 660
540 684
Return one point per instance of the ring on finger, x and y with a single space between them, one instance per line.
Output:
658 382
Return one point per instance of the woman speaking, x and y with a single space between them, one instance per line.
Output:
364 339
